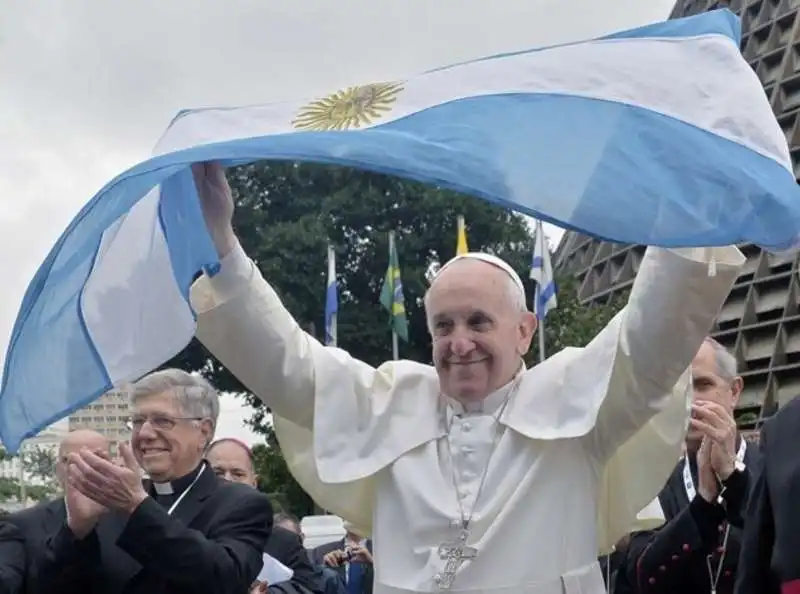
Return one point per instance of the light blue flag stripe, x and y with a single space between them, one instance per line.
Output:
110 301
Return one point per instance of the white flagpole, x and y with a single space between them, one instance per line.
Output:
540 330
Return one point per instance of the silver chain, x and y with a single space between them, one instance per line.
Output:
712 575
466 520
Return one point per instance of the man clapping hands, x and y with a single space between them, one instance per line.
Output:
697 548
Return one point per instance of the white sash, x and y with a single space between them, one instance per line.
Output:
688 481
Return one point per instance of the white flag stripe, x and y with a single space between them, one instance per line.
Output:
542 273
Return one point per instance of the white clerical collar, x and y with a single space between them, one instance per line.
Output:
178 485
163 488
488 405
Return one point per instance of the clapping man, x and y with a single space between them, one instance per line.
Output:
185 530
35 523
697 549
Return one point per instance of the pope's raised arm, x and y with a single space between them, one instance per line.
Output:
650 344
244 323
252 319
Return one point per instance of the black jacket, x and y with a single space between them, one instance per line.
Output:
770 559
286 547
212 544
12 559
35 523
673 558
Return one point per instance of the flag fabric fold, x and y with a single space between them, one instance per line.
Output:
668 140
392 298
542 274
461 241
331 301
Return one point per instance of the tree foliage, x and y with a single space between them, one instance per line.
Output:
285 216
275 479
38 465
573 324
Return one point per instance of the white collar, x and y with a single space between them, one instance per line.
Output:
163 488
488 405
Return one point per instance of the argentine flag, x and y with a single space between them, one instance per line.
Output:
658 135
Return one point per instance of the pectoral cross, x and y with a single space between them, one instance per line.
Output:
455 553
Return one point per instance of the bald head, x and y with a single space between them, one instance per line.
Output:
232 460
77 440
476 314
84 438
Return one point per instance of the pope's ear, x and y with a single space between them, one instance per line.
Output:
527 328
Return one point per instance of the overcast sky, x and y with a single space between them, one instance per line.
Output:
89 85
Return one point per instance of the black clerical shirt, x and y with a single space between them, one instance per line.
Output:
166 494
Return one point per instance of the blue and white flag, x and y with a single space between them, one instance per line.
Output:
331 300
542 273
659 135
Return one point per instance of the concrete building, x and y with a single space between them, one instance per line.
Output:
108 415
760 322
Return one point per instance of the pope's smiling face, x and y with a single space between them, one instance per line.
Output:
479 334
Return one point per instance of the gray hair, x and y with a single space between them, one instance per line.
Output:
196 396
727 366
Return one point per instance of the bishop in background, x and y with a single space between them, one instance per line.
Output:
475 474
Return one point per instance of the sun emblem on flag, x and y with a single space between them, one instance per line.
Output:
353 107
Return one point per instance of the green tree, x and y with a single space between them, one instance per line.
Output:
37 464
275 480
40 464
573 324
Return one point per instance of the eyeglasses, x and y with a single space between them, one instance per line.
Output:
158 422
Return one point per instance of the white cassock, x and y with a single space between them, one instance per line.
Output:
587 441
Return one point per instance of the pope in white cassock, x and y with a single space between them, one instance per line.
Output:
475 475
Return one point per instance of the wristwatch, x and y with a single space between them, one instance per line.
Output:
738 471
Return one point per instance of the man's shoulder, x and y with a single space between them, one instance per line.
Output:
783 426
31 514
234 499
245 495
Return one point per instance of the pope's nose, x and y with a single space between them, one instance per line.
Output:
462 347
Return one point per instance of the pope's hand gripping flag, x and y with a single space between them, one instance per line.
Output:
667 124
392 293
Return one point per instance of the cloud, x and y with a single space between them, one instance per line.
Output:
89 85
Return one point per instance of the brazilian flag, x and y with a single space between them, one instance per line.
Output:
392 294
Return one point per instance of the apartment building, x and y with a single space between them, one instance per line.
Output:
108 415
